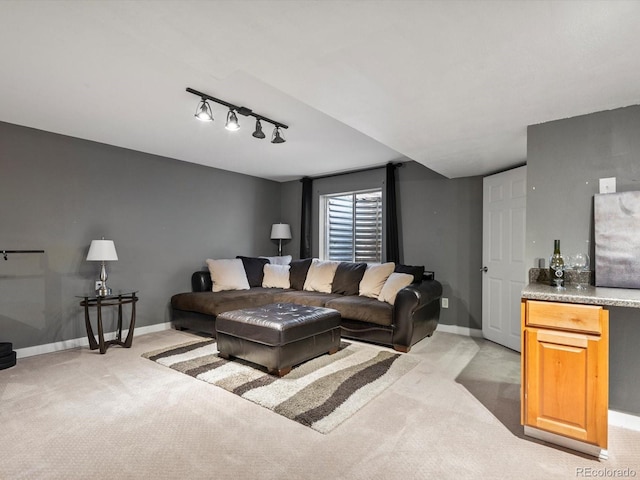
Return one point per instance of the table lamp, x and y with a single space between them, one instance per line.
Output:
280 231
102 251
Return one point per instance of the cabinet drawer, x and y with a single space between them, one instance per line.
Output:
566 316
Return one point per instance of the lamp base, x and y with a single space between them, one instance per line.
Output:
103 291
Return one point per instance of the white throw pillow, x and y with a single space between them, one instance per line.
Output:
395 283
283 260
320 276
227 275
276 276
374 277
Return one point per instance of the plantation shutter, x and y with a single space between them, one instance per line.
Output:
354 227
340 223
368 228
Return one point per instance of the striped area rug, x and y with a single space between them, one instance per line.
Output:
320 393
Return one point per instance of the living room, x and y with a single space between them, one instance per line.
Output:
59 190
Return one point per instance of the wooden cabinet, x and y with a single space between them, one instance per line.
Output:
565 371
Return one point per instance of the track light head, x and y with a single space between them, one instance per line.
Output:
203 111
258 133
276 137
232 121
205 114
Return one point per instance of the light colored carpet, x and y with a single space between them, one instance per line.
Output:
81 415
320 393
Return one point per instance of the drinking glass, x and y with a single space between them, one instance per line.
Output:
580 263
569 261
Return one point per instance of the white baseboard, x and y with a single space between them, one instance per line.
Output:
624 420
84 341
466 331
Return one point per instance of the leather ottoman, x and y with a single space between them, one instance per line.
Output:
278 336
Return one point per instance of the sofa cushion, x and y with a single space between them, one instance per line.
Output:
276 276
320 276
227 274
254 268
347 278
395 283
363 309
311 299
374 278
416 270
298 272
213 303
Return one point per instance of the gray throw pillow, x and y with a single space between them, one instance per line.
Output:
347 278
416 270
298 272
254 268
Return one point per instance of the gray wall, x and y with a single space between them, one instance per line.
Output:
565 159
166 217
441 222
440 228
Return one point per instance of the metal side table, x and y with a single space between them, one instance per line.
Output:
117 299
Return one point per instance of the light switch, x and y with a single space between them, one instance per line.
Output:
608 185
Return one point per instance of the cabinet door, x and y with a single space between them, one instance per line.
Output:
566 375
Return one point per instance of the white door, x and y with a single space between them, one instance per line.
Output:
503 245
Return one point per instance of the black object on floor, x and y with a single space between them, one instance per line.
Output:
7 355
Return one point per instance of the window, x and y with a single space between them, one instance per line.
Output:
351 224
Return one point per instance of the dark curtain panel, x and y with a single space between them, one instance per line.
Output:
305 226
393 247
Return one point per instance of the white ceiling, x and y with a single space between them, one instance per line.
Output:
450 84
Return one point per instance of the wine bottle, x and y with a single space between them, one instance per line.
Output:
556 266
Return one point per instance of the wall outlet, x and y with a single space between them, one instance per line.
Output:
98 284
445 302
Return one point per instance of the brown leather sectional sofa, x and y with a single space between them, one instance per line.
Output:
413 316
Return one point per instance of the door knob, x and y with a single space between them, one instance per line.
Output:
484 269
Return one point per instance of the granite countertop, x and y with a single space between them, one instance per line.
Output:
612 297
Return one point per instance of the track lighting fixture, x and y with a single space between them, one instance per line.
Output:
258 133
204 113
232 121
276 137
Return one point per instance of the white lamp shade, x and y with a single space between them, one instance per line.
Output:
102 251
280 231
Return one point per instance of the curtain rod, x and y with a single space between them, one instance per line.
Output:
5 252
399 164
